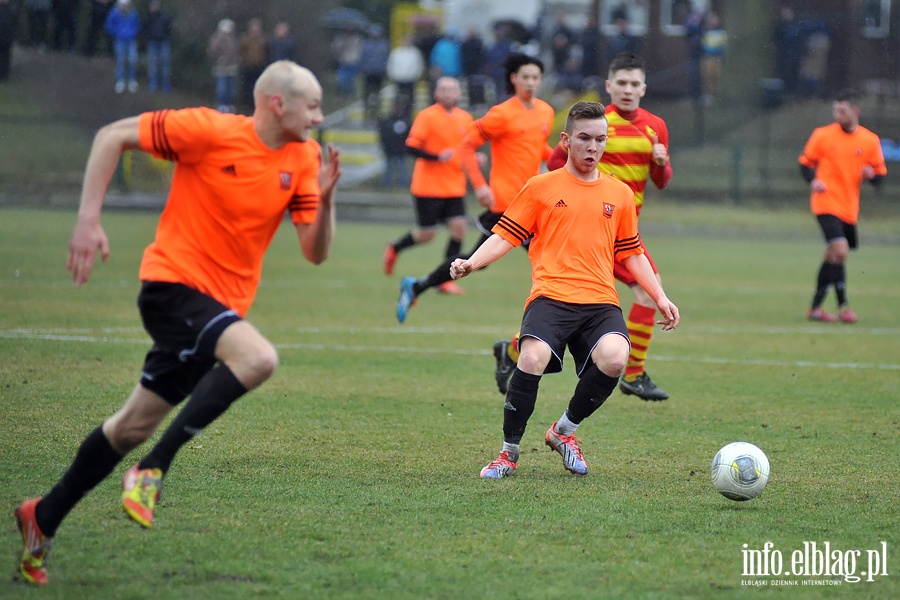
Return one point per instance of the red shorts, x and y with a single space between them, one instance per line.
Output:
622 273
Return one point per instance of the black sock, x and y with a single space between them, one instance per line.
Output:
93 462
435 278
403 243
840 283
823 280
453 248
521 397
592 390
213 395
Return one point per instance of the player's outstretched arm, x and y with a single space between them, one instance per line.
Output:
493 248
88 236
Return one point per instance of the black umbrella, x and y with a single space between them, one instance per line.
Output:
348 19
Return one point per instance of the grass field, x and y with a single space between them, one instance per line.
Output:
353 473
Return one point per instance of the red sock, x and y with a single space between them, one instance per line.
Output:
640 329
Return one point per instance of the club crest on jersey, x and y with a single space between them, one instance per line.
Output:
650 133
284 178
608 210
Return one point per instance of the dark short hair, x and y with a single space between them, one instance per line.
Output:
848 95
516 61
584 111
627 61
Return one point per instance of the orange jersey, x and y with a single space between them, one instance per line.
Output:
579 229
838 158
435 129
518 138
229 195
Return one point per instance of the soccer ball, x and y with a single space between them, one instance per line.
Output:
740 471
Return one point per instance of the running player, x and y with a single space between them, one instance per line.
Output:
438 181
518 130
637 150
235 178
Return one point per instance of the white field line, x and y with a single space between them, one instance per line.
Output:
106 335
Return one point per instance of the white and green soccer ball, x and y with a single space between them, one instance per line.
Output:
740 471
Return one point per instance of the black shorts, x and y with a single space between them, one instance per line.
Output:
486 221
185 325
431 211
835 229
578 326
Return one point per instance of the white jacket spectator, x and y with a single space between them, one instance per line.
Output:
405 67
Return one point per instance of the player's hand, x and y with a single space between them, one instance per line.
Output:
459 268
481 158
87 237
660 153
485 196
818 186
330 171
670 315
868 172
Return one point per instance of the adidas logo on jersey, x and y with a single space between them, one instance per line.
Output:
229 170
561 204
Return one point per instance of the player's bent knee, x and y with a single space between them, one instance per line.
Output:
613 368
260 365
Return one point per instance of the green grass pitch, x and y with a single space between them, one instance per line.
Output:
353 472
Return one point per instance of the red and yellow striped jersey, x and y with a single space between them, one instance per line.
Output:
629 150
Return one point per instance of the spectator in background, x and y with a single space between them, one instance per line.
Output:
472 57
589 39
254 58
714 43
815 59
158 29
9 20
347 49
123 25
373 67
495 58
65 17
788 38
561 43
405 67
472 53
392 131
38 14
446 57
96 36
224 54
622 40
282 45
694 37
425 38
